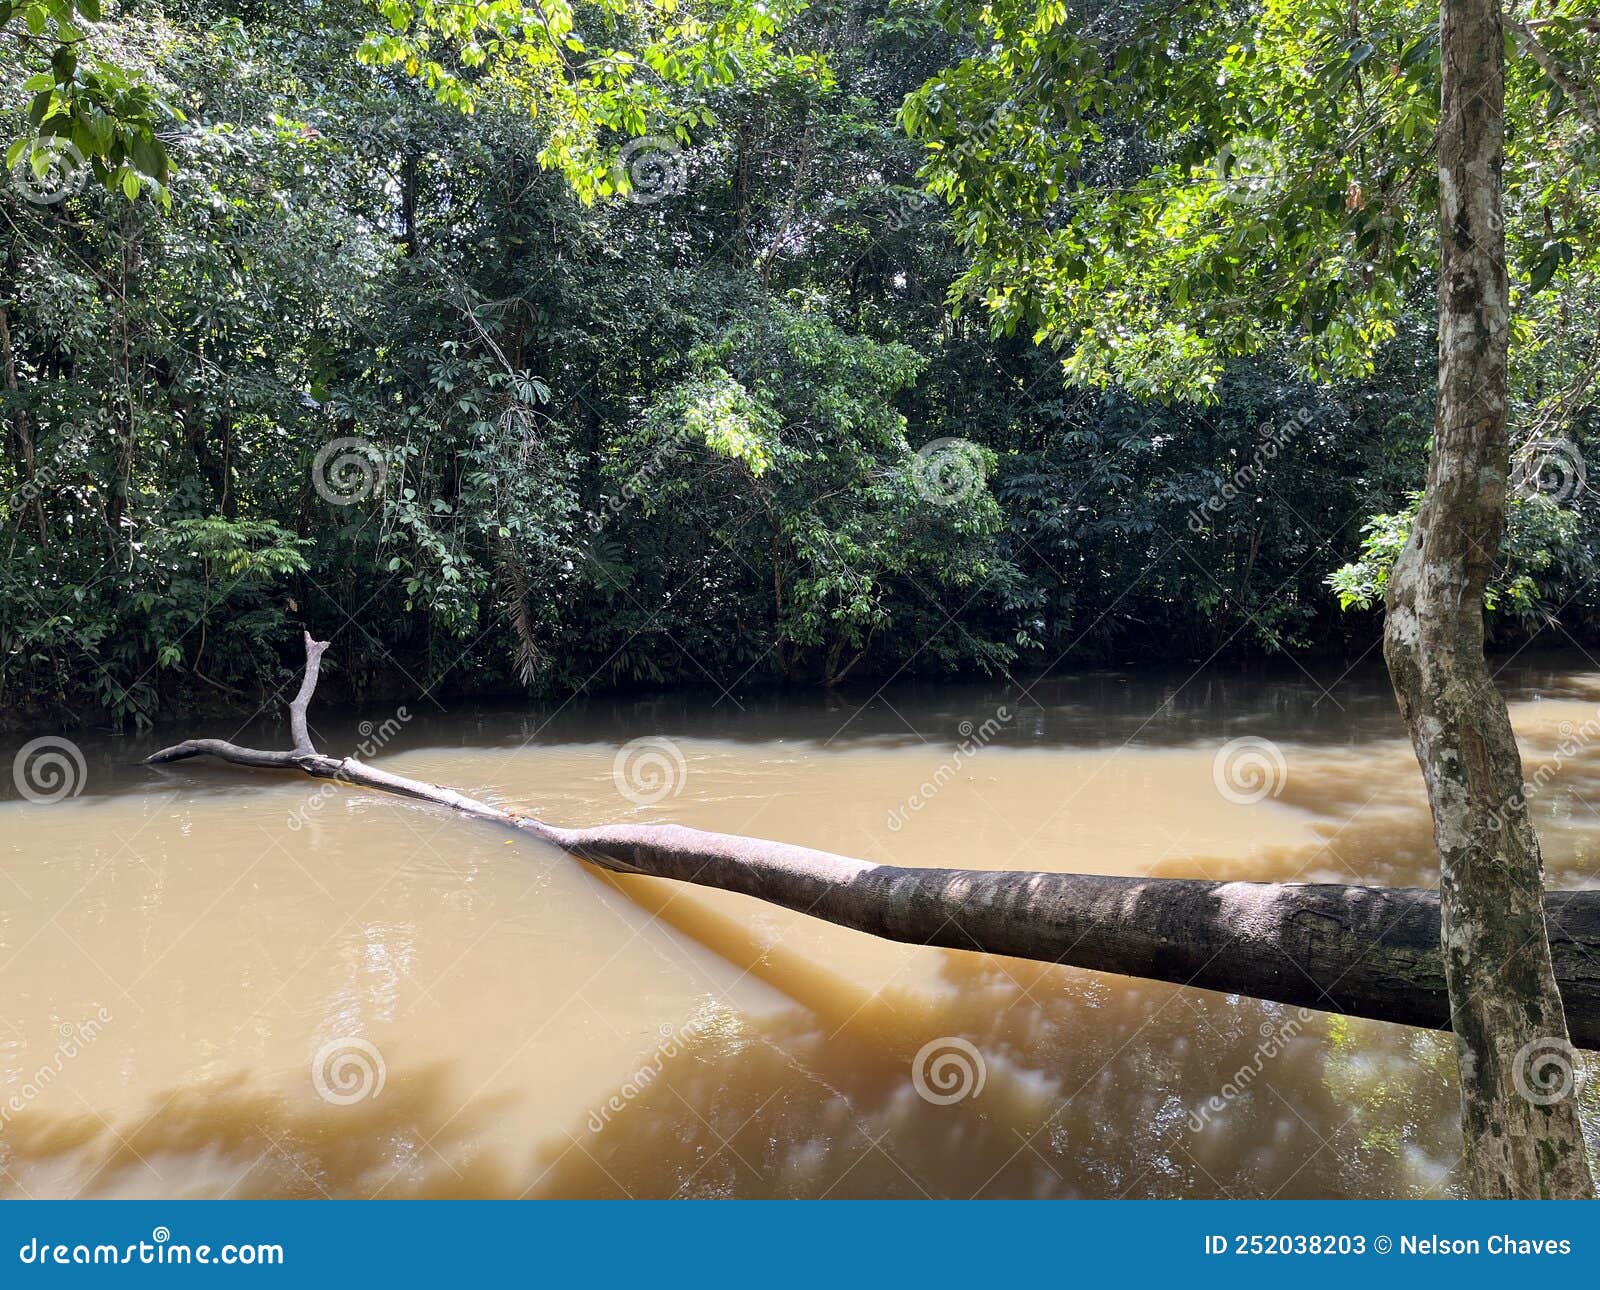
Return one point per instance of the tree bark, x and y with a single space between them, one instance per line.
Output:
1363 951
1505 1003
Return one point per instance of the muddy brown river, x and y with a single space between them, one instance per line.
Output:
230 983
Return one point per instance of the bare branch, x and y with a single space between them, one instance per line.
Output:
1582 99
302 701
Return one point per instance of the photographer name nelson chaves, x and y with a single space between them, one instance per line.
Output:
1499 1243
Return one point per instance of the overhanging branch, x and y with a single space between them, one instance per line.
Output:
1583 99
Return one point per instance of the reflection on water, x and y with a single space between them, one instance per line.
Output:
542 1030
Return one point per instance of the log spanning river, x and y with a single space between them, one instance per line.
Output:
221 982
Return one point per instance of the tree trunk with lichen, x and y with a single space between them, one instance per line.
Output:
1505 1005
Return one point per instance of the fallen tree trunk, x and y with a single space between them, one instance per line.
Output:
1363 951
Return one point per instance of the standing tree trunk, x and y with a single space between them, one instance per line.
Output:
1505 1008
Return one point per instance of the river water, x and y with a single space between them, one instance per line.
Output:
231 983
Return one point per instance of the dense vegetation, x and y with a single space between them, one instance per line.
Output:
367 363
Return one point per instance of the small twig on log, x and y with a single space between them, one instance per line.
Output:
1364 951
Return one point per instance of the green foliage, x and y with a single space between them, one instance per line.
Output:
1541 540
1157 191
1361 583
784 445
649 68
1272 187
719 412
242 549
725 432
85 108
